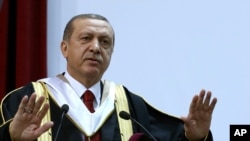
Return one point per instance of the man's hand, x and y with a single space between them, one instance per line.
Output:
26 125
197 123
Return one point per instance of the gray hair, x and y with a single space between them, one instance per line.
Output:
69 26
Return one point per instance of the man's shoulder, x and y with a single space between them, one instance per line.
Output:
138 101
19 92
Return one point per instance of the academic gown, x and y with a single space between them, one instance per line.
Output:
162 126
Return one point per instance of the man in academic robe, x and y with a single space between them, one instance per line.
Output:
33 112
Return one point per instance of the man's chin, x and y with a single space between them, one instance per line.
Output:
92 73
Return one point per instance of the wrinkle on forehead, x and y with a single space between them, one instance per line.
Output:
94 24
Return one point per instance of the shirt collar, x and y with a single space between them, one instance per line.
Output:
80 88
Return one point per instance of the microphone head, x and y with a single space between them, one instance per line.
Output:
124 115
139 137
65 108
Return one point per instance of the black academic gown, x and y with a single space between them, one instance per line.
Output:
162 126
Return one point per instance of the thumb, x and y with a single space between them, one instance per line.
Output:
184 119
187 121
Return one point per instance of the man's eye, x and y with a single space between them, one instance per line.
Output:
85 38
106 43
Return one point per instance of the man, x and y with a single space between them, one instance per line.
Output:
33 112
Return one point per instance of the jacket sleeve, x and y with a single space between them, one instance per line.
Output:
161 125
9 106
4 132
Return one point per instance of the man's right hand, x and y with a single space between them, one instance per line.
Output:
26 124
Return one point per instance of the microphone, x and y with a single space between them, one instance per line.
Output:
139 137
64 109
126 116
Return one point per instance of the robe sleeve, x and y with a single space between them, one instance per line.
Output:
9 106
4 132
161 125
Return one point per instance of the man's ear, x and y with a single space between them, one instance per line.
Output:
64 48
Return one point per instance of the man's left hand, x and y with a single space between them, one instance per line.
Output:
197 123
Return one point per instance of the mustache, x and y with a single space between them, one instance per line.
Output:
93 58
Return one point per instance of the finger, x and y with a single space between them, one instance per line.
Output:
184 119
45 127
200 99
28 108
43 111
188 122
22 104
38 104
193 105
212 105
32 101
208 97
207 101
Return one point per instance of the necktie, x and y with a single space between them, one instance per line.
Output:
88 99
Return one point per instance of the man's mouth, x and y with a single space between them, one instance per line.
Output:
92 59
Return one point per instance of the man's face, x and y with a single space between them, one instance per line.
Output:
88 50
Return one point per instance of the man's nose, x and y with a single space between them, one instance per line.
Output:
95 46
